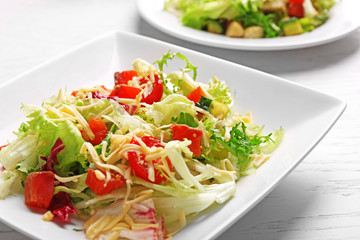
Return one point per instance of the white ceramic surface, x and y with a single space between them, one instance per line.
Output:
344 19
305 114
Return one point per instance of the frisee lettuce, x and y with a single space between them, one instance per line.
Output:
171 55
240 144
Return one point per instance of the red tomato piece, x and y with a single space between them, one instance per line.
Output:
124 77
296 8
98 186
149 141
74 93
99 128
182 132
196 94
125 91
140 166
39 189
156 94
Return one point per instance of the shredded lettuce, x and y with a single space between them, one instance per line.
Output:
21 154
9 183
170 107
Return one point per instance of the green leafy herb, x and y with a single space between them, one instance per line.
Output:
171 55
78 229
251 16
240 144
204 103
185 118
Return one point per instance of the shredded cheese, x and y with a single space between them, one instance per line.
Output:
81 120
68 179
48 216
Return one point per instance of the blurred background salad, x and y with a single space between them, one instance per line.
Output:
252 18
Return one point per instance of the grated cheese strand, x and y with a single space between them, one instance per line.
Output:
226 164
114 235
107 110
96 159
81 120
68 179
57 112
97 227
118 218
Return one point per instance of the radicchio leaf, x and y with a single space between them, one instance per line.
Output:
61 206
55 150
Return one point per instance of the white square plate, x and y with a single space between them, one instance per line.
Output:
305 114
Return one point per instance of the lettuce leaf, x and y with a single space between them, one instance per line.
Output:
49 130
21 154
219 91
170 107
9 183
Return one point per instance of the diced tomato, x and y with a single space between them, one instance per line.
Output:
99 187
99 128
196 94
140 166
182 132
74 93
39 189
296 8
125 91
149 141
156 93
124 77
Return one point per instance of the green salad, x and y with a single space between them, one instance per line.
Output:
136 159
251 18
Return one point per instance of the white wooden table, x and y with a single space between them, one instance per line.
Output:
319 200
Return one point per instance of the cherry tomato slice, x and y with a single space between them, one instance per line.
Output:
140 166
99 128
124 77
98 186
296 8
39 189
125 91
182 132
196 94
149 141
156 94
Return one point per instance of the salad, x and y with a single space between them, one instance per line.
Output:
251 18
135 160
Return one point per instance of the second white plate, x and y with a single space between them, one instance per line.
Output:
344 19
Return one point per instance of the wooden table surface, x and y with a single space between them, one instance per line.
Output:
320 199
